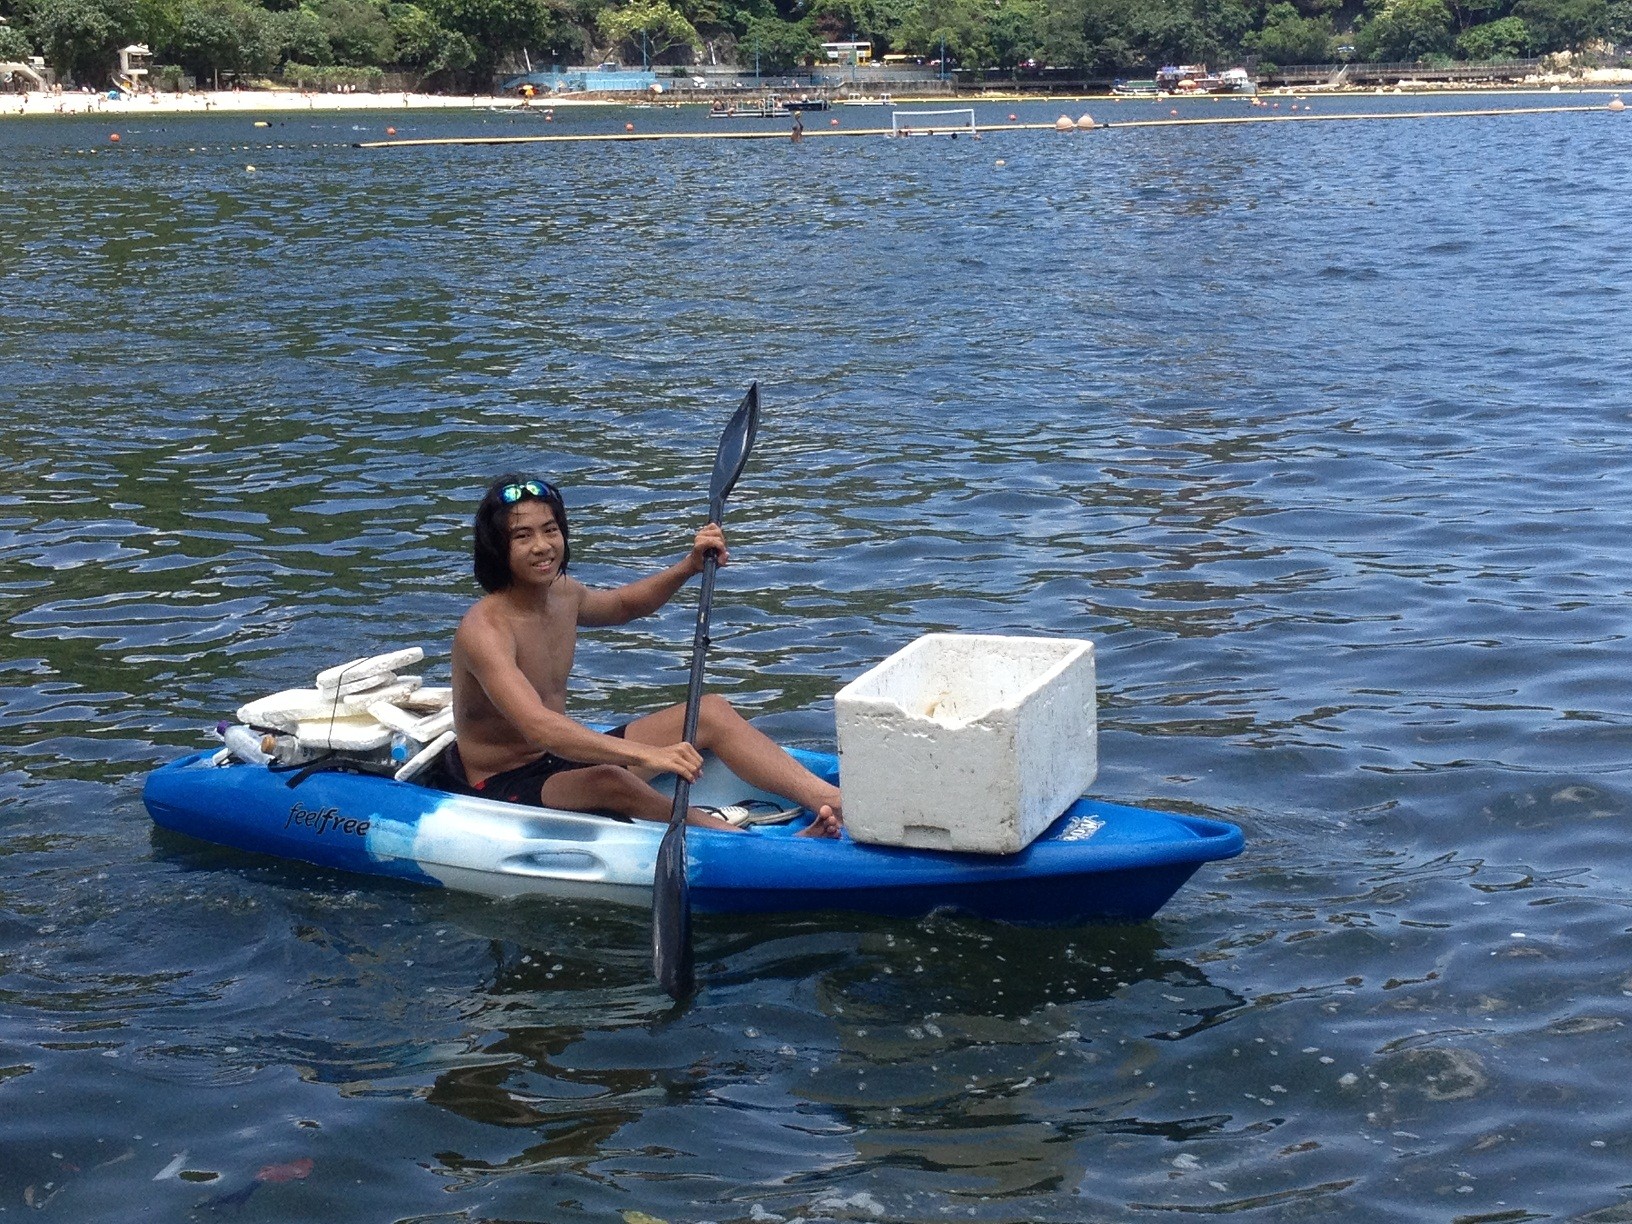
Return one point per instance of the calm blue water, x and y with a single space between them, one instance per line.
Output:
1318 430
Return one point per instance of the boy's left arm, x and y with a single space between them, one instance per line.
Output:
620 605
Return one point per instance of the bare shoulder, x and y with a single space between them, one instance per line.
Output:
483 626
570 589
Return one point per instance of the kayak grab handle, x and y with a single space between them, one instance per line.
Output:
555 865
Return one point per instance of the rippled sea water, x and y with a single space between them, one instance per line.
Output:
1319 430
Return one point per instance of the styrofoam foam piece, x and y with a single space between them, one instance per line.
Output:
361 684
395 717
353 733
428 729
967 742
416 764
283 710
427 700
372 665
397 691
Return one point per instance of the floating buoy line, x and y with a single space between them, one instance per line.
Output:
248 148
1063 124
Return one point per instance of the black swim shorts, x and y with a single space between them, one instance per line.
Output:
518 785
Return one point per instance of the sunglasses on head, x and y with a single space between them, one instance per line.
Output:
513 493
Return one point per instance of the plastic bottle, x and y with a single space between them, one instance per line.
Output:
402 748
242 743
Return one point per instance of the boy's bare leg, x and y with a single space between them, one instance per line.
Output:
750 754
611 788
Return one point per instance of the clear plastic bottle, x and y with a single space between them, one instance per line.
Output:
243 744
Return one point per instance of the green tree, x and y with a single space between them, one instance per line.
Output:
303 37
1062 34
1406 30
960 26
776 45
1108 44
1015 32
1286 37
1618 26
82 38
15 45
1563 25
358 31
648 28
1505 39
225 36
877 21
426 45
495 28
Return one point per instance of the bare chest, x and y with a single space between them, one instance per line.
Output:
545 645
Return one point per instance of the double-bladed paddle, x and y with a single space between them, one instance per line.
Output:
671 894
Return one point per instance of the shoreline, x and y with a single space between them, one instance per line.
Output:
264 101
259 101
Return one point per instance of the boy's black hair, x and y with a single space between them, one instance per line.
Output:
492 528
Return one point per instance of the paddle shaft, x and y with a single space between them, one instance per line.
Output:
694 692
671 887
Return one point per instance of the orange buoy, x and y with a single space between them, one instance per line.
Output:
390 131
833 123
628 127
1012 118
1173 112
1615 103
113 137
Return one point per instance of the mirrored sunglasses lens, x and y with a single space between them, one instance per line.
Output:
513 493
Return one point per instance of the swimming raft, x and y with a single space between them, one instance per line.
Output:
1096 862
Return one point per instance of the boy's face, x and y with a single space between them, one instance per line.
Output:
536 544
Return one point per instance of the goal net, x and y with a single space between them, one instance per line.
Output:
932 123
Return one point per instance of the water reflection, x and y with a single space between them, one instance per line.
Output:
893 1044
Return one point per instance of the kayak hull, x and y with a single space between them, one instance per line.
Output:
1097 862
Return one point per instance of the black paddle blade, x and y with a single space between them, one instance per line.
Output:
671 917
735 443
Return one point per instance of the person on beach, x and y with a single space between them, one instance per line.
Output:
511 657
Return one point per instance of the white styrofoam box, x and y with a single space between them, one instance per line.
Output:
967 741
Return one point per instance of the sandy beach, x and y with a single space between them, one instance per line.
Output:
248 101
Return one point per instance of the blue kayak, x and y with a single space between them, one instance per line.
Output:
1096 862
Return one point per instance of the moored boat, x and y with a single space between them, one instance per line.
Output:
1096 862
1195 79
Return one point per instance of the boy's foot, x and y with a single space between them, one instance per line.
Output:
826 823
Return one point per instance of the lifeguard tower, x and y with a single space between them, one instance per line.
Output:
133 64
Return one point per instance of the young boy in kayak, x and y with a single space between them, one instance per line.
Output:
511 658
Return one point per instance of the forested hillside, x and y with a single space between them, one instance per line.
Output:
461 44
